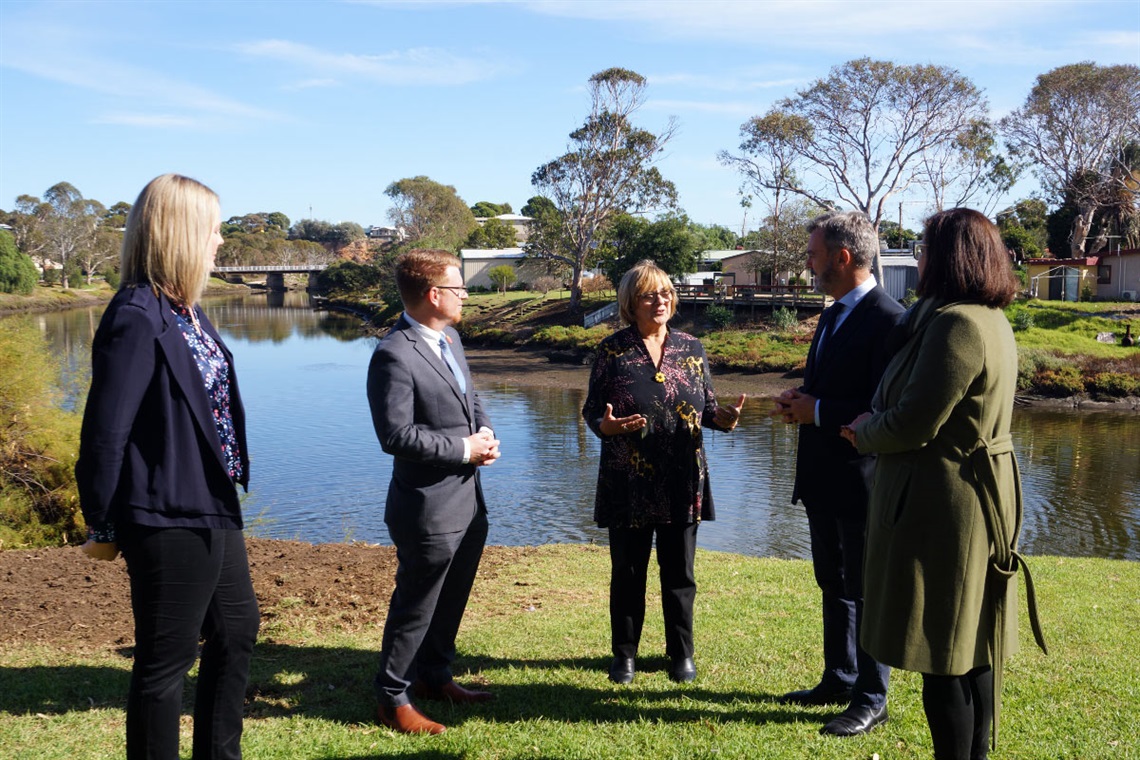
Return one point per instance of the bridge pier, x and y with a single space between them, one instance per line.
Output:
313 280
275 281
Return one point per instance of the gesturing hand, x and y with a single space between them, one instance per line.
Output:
728 416
610 425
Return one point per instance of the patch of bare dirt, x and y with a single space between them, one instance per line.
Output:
61 598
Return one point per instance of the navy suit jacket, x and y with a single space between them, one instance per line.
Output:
421 419
830 474
149 452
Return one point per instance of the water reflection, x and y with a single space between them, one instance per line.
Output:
319 474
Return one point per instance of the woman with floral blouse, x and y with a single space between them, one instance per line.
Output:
650 396
161 451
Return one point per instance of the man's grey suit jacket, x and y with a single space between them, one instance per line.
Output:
421 419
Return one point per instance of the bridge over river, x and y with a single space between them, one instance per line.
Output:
274 273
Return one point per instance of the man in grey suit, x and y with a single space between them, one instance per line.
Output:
429 418
847 357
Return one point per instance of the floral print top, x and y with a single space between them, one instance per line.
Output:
657 475
216 372
215 369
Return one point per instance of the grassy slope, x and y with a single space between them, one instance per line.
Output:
538 635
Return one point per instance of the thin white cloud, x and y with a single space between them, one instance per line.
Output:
726 83
897 28
702 106
146 120
313 84
59 54
415 66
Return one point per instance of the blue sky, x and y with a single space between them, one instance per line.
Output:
313 108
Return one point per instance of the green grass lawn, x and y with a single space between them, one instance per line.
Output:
537 635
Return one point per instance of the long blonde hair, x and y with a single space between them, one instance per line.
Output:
168 233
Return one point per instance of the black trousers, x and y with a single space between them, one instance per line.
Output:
629 565
837 547
433 582
188 584
959 710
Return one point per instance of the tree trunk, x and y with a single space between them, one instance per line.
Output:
1082 223
576 289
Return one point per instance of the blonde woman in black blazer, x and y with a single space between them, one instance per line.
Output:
161 451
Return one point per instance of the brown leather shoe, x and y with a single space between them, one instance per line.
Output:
407 720
451 692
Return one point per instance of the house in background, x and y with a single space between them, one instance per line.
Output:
1107 277
900 270
478 261
518 221
390 235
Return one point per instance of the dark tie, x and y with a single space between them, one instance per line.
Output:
827 326
445 352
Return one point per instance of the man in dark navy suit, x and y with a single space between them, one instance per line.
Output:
848 355
429 418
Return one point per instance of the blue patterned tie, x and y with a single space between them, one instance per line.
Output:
445 352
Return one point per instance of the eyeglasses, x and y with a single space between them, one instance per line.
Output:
459 290
665 296
918 252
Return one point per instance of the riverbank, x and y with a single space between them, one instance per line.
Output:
533 366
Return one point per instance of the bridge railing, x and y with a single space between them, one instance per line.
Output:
283 268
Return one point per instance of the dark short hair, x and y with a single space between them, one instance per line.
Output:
851 230
420 269
966 260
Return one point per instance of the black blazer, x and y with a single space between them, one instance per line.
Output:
830 474
149 452
421 419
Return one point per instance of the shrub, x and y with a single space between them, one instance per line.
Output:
38 445
17 272
1022 320
348 277
596 284
113 278
1063 381
503 276
574 336
1115 384
546 283
785 319
719 316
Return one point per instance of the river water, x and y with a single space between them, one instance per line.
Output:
318 473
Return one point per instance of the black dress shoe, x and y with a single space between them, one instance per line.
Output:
682 670
621 670
817 695
855 721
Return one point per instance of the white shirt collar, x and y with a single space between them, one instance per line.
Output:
433 337
852 298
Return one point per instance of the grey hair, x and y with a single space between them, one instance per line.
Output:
851 230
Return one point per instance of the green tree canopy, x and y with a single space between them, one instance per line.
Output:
487 209
17 272
671 242
894 235
432 215
1024 228
493 233
503 276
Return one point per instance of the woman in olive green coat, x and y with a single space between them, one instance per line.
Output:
945 508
